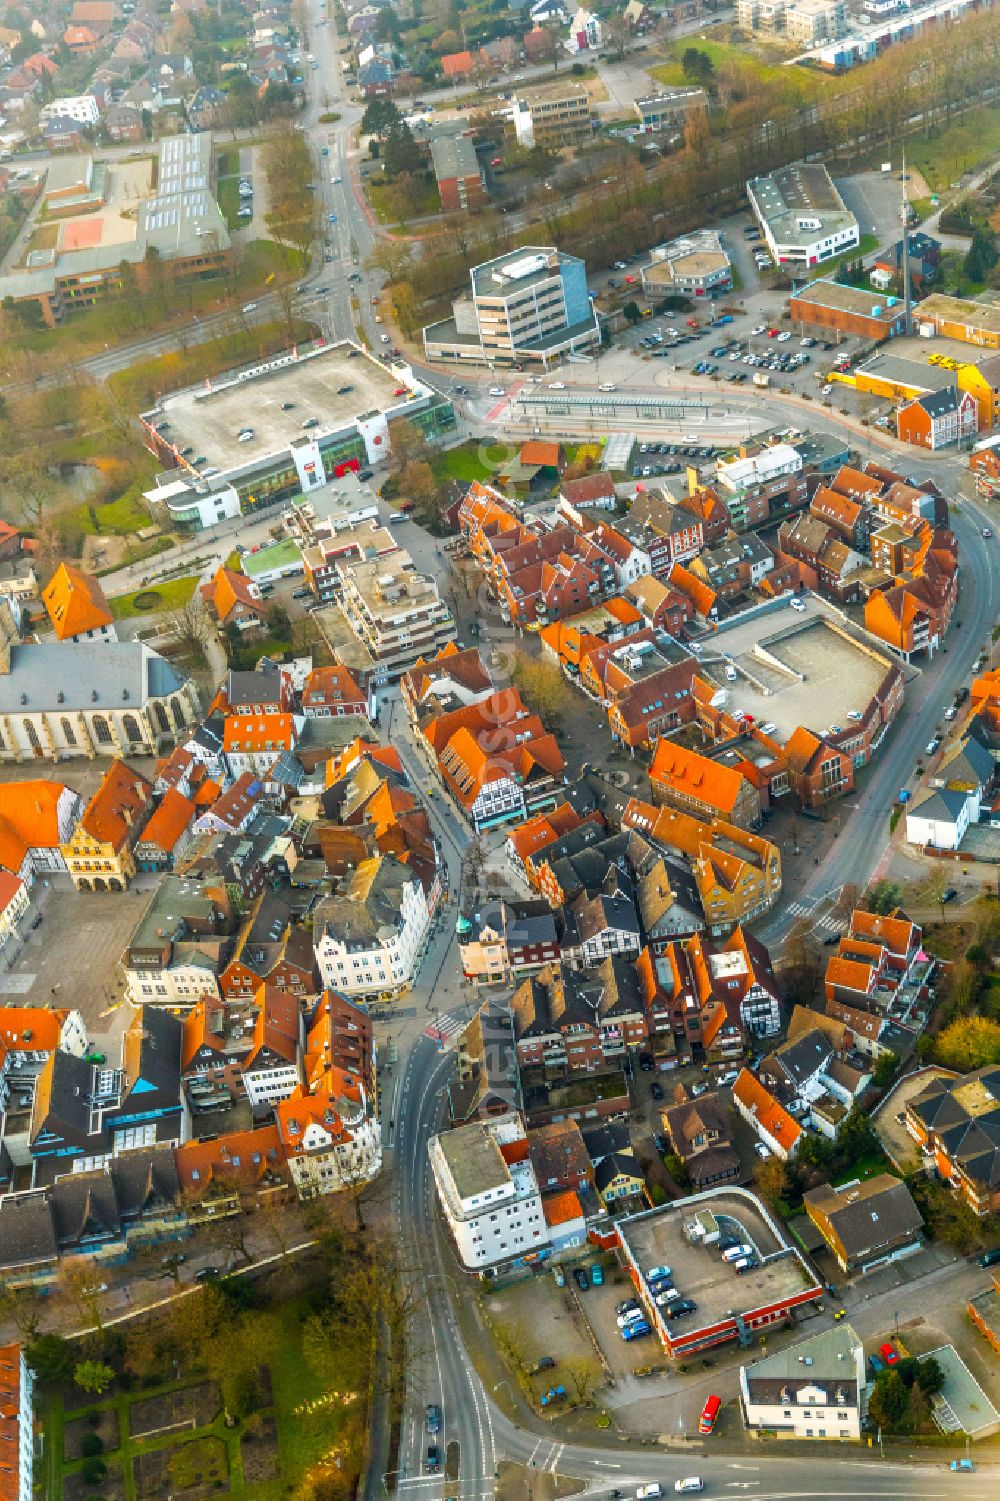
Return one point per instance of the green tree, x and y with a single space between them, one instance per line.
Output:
982 254
51 1357
632 312
889 1402
883 897
698 66
884 1069
543 687
770 1176
401 153
969 1042
929 1376
380 116
93 1375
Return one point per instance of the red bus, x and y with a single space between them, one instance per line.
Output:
709 1414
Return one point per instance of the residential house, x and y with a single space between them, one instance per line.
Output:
36 820
867 1223
332 692
99 852
167 834
235 600
369 936
489 1194
772 1123
578 1021
700 1134
331 1137
695 784
76 606
814 1389
496 759
956 1124
272 1068
560 1157
13 905
938 418
506 939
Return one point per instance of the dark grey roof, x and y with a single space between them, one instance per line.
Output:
800 1060
610 1167
944 805
27 1234
866 1221
63 1109
158 1057
66 676
253 687
84 1207
601 1141
939 403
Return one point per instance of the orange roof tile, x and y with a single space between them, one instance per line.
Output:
537 451
31 1027
765 1109
689 772
258 732
29 819
848 974
454 64
242 1158
169 821
230 588
197 1032
112 812
10 886
562 1208
75 602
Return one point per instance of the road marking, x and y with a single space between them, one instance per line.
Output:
555 1459
606 1464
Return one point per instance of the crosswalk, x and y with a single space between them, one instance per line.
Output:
827 922
446 1030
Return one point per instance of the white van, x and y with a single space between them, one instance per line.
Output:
607 386
692 1483
730 673
736 1252
649 1492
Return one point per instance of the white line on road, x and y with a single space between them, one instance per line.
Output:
606 1464
555 1459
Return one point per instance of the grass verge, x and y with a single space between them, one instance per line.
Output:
154 599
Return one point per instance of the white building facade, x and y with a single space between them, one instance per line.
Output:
814 1389
490 1199
384 964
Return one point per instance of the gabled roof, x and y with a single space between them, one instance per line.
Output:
765 1111
29 819
243 1158
169 821
75 602
114 810
687 771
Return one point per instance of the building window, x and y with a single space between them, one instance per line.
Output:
32 734
131 727
69 734
102 730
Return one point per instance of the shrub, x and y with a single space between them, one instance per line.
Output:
93 1469
91 1444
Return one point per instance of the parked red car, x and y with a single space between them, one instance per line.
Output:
889 1354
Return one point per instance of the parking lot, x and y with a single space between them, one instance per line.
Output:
330 389
533 1319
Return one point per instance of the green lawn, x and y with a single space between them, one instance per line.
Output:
383 202
968 143
114 518
865 1167
751 72
172 595
309 1422
466 462
227 191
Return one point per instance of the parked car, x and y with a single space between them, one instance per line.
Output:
580 1278
656 1090
597 1274
657 1271
558 1276
889 1353
636 1331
